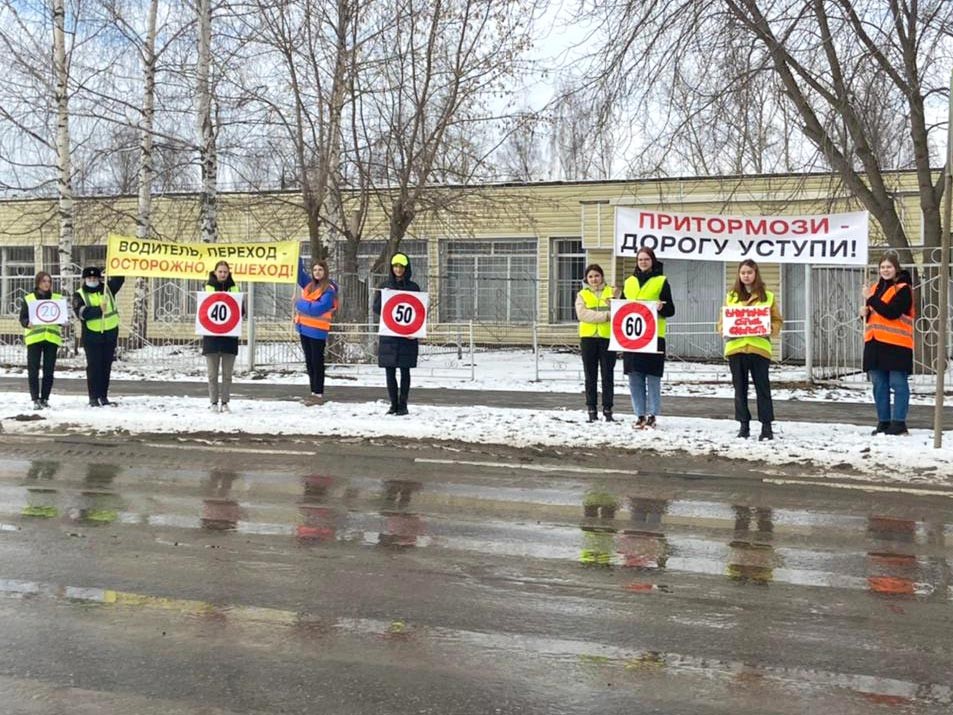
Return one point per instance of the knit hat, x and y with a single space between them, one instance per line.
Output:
399 259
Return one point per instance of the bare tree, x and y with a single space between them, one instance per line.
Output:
208 159
521 155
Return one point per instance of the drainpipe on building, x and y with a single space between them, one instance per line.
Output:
942 349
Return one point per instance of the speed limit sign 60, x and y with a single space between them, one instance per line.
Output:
219 313
403 314
634 326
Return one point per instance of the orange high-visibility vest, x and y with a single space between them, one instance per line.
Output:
323 321
893 332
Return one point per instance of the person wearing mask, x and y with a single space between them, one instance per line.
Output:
592 310
648 283
889 314
95 306
42 342
314 310
220 351
752 354
395 353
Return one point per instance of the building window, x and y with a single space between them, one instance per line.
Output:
568 263
488 281
368 251
82 256
16 277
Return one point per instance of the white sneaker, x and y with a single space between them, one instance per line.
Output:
225 407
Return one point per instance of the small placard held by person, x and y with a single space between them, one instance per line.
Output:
48 312
741 321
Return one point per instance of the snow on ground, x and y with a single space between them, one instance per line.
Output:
909 460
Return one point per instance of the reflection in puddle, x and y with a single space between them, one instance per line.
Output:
219 511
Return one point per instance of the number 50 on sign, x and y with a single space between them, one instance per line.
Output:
634 326
403 313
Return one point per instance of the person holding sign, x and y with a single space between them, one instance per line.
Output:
751 352
648 283
592 310
314 309
42 340
95 305
220 351
889 315
394 352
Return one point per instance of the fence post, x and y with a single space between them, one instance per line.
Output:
250 319
536 351
808 325
472 356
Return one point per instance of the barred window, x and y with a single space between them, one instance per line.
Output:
82 256
489 281
17 269
568 263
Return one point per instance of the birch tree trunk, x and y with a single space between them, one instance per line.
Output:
64 167
206 128
140 315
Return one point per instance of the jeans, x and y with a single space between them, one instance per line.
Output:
597 356
212 361
741 364
646 391
45 352
885 381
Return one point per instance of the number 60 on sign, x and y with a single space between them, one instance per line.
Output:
634 326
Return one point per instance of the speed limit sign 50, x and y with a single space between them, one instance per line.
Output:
403 313
634 326
219 313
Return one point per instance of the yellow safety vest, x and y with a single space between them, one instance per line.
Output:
41 333
209 288
757 342
600 303
648 291
105 301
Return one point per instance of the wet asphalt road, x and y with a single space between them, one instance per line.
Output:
161 576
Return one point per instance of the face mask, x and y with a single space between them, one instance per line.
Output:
92 283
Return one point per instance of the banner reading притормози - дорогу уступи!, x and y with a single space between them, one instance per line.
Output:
829 239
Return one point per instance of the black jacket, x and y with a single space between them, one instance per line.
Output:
25 309
84 312
651 363
884 356
391 350
220 343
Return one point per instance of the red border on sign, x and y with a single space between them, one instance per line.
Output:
229 325
621 315
48 319
415 303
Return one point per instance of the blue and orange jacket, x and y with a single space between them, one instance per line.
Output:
314 310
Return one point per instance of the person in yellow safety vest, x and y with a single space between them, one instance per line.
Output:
220 351
645 370
592 310
95 305
313 312
752 354
889 314
42 342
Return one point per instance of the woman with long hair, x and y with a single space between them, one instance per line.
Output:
220 351
42 342
314 310
889 314
592 310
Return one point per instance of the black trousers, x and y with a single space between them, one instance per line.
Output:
741 365
99 362
44 351
595 356
314 360
398 397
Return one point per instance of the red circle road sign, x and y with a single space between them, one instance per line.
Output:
406 325
210 315
637 339
48 312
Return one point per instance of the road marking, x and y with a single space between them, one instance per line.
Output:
530 467
228 448
862 487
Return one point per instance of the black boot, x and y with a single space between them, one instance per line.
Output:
607 413
766 433
881 427
393 409
745 431
896 428
593 416
401 408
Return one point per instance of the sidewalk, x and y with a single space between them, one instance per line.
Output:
920 416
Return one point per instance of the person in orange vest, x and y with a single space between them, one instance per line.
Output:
889 315
314 310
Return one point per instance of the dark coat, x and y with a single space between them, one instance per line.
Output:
25 307
391 350
220 343
84 312
883 356
651 363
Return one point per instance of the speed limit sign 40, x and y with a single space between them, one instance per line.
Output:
403 313
219 314
634 326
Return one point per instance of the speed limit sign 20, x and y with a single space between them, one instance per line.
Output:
219 313
634 326
403 313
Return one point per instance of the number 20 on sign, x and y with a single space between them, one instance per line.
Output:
403 314
634 326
